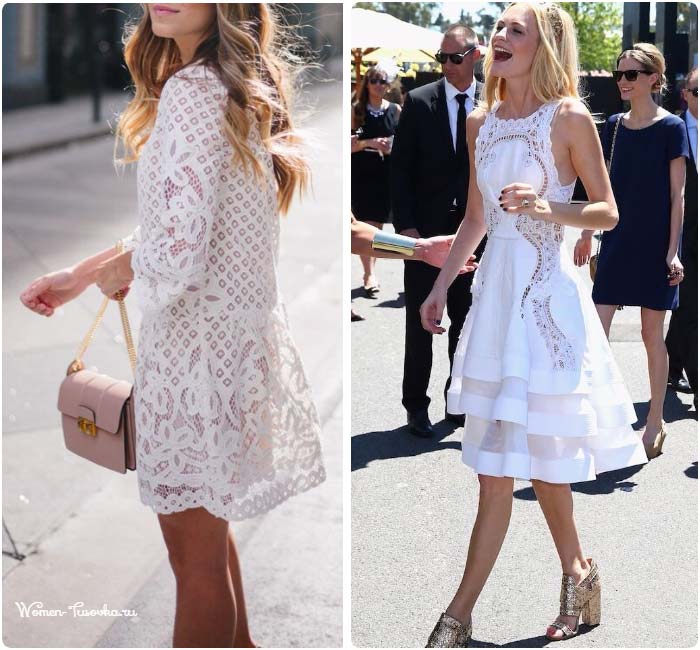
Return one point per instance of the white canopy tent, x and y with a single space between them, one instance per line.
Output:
376 36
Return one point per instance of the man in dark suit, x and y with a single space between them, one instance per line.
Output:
682 337
429 180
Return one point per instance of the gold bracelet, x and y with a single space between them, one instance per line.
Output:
393 243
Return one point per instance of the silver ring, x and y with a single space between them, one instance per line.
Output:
524 203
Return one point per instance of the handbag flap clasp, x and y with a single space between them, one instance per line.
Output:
93 397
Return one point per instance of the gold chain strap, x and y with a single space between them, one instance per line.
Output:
77 363
609 167
127 334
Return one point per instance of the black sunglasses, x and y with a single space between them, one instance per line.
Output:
630 75
377 80
455 57
692 91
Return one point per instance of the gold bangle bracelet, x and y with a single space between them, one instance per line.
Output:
393 243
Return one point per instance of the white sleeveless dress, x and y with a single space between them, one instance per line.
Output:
224 414
533 369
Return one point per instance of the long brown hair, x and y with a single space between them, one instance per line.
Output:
359 109
243 47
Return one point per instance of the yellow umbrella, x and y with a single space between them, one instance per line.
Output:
408 55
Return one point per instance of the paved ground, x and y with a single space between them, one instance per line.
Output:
47 126
413 505
85 533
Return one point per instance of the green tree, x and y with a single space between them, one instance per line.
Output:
416 13
486 19
598 29
599 32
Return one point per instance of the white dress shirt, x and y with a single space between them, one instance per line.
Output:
692 125
453 105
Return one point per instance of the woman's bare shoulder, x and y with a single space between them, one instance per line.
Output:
573 113
573 124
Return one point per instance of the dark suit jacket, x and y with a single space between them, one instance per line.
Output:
424 173
690 213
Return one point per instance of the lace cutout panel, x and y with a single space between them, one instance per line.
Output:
520 150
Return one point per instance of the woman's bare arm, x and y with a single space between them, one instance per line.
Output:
433 251
86 268
677 175
473 228
52 290
470 232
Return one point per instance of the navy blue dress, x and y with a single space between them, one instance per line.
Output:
632 266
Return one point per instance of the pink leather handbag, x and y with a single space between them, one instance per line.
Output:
97 411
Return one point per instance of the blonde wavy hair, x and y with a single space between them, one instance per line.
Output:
243 47
651 60
555 68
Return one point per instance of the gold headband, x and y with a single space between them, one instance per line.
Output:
555 21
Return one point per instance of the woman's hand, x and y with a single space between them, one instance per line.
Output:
434 251
53 290
431 310
675 270
355 144
521 198
115 274
381 144
582 251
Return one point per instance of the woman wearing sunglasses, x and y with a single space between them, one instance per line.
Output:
374 121
638 262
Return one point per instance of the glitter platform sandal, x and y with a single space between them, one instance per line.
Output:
575 600
450 633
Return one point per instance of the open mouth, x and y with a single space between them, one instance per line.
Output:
501 54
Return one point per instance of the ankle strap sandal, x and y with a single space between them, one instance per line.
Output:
579 600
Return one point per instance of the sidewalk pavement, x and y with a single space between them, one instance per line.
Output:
86 536
34 129
414 502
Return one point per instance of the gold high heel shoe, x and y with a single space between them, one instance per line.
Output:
450 633
653 449
575 600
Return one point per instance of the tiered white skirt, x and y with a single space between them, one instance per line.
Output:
542 392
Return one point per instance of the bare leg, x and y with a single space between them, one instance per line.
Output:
657 360
606 313
368 262
242 637
558 508
205 611
488 533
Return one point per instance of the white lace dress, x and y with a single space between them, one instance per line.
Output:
533 369
224 414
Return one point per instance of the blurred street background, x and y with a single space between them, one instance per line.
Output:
74 532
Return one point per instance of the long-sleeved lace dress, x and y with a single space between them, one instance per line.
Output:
224 414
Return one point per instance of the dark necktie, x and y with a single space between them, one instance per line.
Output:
461 145
461 152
